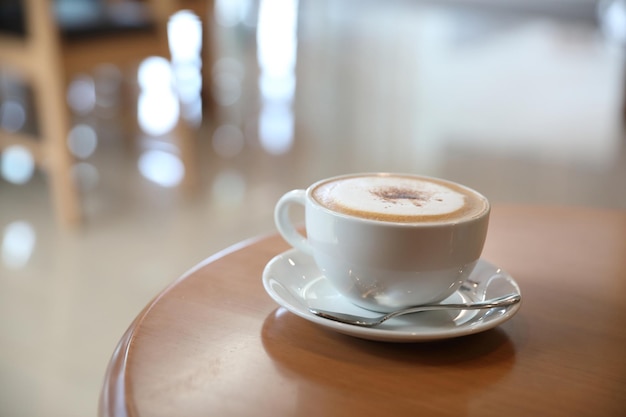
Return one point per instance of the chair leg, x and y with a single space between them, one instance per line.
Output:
54 116
186 139
63 189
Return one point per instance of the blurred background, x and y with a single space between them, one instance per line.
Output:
175 157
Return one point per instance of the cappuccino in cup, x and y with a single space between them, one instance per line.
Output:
389 241
399 198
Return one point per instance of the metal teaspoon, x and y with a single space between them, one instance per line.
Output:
504 301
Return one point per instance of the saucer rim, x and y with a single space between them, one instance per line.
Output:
473 326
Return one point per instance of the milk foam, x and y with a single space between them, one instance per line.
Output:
393 198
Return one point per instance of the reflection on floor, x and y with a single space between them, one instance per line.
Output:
525 109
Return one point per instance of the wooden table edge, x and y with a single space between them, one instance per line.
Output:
113 400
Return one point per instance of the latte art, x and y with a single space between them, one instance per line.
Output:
398 198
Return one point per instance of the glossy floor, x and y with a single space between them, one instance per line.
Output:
527 109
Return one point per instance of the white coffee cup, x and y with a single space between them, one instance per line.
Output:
388 241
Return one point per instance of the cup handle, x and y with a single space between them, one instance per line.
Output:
284 224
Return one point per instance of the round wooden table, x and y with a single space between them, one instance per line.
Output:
215 344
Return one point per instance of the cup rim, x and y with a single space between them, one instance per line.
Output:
433 223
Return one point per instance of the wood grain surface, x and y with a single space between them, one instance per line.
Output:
215 344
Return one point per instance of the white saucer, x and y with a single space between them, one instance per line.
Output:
293 280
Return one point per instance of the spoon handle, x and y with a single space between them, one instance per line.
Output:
503 301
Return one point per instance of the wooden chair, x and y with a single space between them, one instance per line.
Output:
45 55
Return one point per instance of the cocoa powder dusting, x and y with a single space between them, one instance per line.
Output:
394 194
